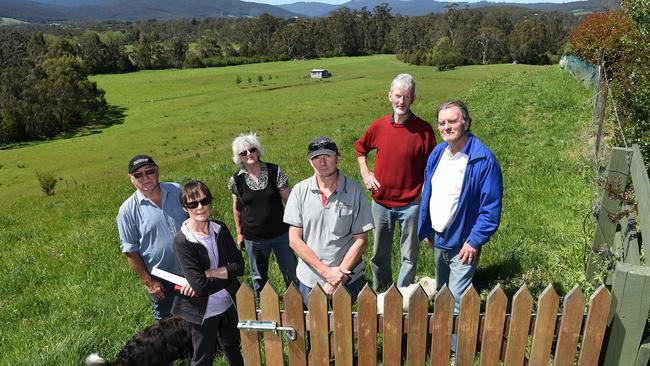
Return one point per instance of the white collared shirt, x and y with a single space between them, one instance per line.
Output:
446 185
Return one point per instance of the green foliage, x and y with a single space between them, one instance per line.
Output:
47 181
61 259
238 80
260 79
624 38
44 90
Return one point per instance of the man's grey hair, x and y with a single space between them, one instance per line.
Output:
404 81
244 142
461 106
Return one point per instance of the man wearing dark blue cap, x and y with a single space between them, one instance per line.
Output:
147 223
330 219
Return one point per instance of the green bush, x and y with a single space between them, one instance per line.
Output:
47 182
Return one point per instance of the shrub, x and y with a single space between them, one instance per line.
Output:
47 182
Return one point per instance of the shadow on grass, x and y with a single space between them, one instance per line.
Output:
113 115
505 273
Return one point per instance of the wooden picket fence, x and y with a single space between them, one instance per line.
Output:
418 337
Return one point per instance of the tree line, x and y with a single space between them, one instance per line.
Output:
44 69
44 89
625 38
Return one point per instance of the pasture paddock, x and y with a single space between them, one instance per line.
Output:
68 292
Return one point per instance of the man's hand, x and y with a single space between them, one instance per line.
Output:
329 289
155 289
188 291
336 276
467 254
240 242
370 181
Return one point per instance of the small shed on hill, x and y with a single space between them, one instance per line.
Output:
319 74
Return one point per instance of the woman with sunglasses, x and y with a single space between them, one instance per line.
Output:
211 263
259 191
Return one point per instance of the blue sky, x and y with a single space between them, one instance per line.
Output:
276 2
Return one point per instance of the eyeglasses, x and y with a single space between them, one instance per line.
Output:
328 145
249 151
138 175
194 204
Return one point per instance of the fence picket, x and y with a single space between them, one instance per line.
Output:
343 339
318 328
392 350
495 317
569 332
367 306
443 324
544 331
249 340
270 305
594 331
497 343
522 305
468 321
295 317
418 326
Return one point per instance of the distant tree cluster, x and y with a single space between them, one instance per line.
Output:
483 36
625 38
44 89
457 37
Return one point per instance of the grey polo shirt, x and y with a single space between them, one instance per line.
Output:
328 230
149 230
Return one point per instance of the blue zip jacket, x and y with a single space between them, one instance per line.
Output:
479 206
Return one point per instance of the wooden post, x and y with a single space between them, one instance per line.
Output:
617 173
600 102
630 306
643 358
642 192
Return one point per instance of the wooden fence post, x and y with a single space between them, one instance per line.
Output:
617 172
629 314
641 184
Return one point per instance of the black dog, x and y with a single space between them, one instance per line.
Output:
157 345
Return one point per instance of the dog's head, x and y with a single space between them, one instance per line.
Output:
428 284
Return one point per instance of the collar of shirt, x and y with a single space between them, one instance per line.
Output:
456 156
408 119
342 183
263 168
163 195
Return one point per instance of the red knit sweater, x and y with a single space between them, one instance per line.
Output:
402 152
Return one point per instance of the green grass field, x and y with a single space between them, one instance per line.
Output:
67 291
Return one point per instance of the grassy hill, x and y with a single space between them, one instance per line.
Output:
67 291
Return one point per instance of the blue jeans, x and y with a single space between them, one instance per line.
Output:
259 252
451 272
353 288
162 308
380 263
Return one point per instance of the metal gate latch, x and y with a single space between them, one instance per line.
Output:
266 326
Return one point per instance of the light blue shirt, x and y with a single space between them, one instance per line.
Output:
149 230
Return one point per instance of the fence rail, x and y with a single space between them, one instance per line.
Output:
549 334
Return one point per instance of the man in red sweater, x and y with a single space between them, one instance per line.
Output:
403 143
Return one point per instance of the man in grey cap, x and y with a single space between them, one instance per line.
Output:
330 218
147 223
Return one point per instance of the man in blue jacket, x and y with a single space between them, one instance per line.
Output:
461 199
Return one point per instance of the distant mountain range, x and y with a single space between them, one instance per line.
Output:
131 10
424 7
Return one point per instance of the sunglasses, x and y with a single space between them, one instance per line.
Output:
138 175
249 151
194 204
